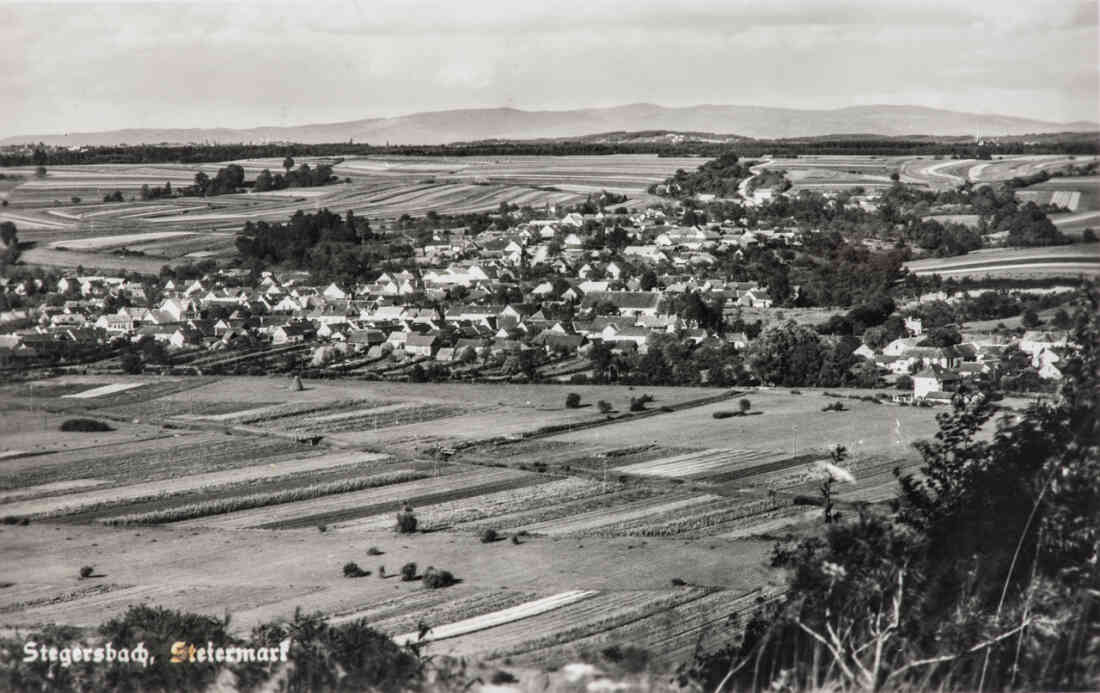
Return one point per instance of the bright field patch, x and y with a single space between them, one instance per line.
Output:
104 390
498 618
701 463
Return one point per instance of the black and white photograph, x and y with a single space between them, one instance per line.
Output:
587 346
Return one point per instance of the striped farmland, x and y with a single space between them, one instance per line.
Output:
499 618
703 462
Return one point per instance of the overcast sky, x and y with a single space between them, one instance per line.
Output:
93 66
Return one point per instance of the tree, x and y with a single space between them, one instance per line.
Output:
1030 319
789 355
942 337
744 405
904 383
288 163
1061 319
572 400
40 172
8 233
1088 236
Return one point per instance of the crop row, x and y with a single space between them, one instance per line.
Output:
615 496
366 504
505 502
692 521
158 459
379 420
610 611
259 500
664 631
265 414
450 611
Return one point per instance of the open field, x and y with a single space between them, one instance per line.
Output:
824 173
379 188
1066 260
949 173
221 509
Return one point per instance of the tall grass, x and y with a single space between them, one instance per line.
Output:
220 506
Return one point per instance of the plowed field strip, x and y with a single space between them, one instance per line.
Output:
498 618
347 505
74 501
599 518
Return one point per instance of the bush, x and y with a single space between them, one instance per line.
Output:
489 535
322 528
352 570
85 426
604 406
406 521
578 379
374 551
724 414
1088 236
572 400
86 572
835 406
744 405
502 677
408 572
904 382
637 404
437 579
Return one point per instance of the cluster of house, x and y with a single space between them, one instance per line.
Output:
465 296
937 371
414 313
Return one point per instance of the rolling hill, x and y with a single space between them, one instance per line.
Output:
439 127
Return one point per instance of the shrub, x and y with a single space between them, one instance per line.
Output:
489 535
744 405
835 406
406 521
437 579
352 570
724 414
678 582
347 657
502 677
515 539
604 406
86 572
636 404
85 426
374 551
578 379
572 400
904 382
322 528
408 572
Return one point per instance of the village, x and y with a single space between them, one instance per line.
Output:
537 301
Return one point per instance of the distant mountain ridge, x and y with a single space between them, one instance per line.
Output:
463 125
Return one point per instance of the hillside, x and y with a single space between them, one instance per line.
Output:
508 123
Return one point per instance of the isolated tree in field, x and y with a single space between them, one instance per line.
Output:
288 163
1061 319
40 172
744 406
8 233
572 400
1088 236
1030 319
